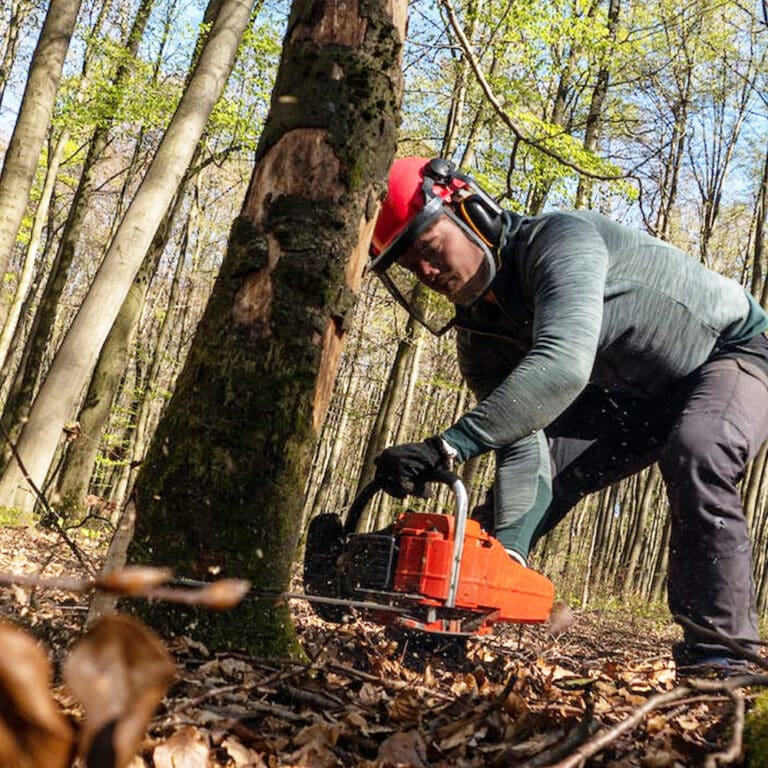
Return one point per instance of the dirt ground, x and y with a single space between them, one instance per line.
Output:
601 691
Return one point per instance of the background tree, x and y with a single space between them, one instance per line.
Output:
34 117
75 360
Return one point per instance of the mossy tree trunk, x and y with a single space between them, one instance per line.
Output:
230 457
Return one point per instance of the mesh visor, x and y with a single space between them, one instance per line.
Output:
434 311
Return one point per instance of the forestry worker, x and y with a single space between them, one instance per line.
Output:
593 350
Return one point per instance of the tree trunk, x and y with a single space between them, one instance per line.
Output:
75 360
759 282
72 485
22 390
19 11
636 536
595 113
231 454
33 121
144 409
27 272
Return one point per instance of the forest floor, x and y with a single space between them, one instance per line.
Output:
602 691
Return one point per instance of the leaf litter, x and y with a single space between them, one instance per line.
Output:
365 696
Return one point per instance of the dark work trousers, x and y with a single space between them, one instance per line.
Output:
702 433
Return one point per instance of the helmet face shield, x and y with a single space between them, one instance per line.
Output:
432 310
420 192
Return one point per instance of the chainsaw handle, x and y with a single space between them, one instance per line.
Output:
360 502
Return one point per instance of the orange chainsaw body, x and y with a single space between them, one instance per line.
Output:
490 583
489 579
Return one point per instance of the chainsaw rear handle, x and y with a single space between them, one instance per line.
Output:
462 506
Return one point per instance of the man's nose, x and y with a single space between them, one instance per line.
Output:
426 271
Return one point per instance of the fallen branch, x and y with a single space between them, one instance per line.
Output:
736 747
140 581
608 735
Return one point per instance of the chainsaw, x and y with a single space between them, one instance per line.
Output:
433 573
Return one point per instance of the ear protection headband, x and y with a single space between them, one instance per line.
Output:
471 205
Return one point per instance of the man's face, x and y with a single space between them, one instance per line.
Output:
444 259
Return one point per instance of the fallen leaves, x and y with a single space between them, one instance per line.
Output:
33 732
119 671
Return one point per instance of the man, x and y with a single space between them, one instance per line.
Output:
594 350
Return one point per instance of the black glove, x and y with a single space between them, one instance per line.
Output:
403 470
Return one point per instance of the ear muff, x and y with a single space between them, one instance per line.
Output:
483 219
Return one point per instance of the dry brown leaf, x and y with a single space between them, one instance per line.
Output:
660 758
242 756
515 705
655 723
356 720
687 722
406 707
223 594
315 742
408 748
133 579
370 695
119 671
33 731
187 748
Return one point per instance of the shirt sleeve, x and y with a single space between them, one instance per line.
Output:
564 266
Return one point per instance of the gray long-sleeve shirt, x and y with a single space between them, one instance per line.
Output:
579 299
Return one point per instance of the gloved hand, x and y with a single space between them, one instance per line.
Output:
404 470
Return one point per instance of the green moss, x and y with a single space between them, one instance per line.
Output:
756 733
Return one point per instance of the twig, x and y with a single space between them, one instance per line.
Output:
51 518
142 582
714 634
504 115
397 685
736 747
609 735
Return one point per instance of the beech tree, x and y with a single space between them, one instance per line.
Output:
32 123
230 458
73 364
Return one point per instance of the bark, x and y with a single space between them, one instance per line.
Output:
759 283
34 118
27 272
72 484
455 117
144 407
19 12
637 534
232 452
74 362
662 562
673 166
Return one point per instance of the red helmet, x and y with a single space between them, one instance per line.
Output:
414 200
419 191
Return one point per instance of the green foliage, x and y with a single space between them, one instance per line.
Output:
15 517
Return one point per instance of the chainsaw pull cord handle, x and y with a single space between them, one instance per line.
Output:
462 507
